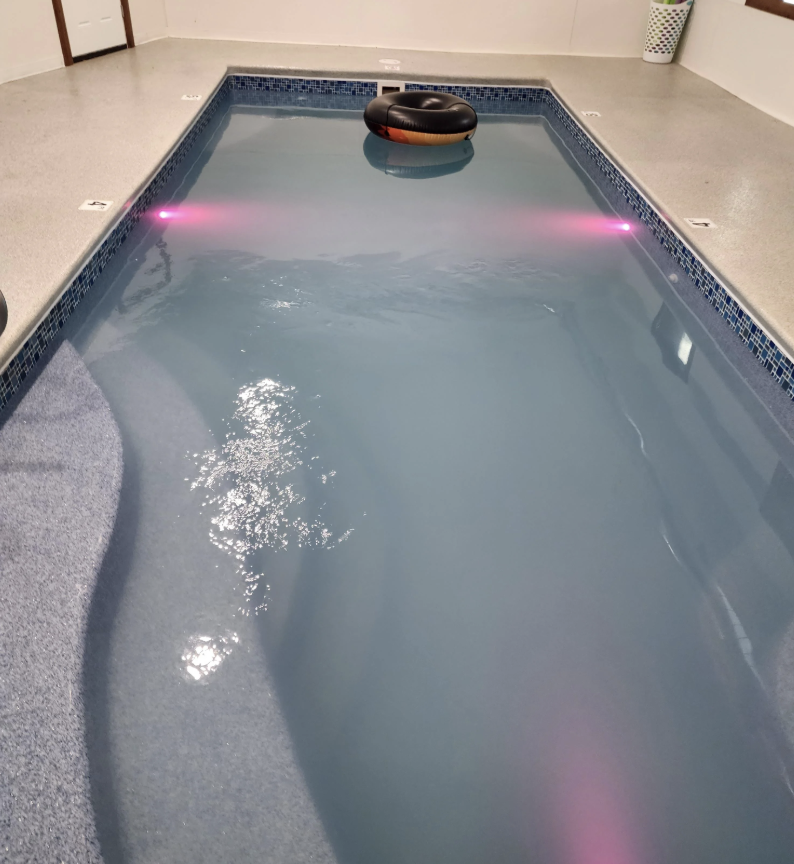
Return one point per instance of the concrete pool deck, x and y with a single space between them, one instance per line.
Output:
100 129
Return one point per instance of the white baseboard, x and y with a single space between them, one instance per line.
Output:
32 67
143 38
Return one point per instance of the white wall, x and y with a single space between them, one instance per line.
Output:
28 38
601 27
748 52
148 20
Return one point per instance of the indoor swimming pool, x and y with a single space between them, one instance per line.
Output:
447 532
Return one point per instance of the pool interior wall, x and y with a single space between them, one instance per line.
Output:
60 481
668 323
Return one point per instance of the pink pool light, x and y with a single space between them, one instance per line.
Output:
569 224
208 214
572 224
184 213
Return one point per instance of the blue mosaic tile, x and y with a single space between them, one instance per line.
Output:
336 93
330 93
292 100
325 86
486 92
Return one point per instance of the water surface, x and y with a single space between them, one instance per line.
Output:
442 538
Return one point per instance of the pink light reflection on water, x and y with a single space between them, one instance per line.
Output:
185 213
586 224
219 215
594 819
562 226
542 222
173 214
258 226
598 812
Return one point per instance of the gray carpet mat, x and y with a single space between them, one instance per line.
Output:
60 478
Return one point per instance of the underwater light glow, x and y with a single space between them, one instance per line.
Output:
209 214
570 224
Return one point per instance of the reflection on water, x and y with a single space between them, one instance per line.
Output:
678 352
203 655
252 481
417 163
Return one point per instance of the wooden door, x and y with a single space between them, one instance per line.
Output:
93 25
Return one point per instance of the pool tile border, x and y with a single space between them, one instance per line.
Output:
350 94
307 86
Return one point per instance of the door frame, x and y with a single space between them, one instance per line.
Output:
63 33
776 7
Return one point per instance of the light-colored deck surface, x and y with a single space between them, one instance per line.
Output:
101 128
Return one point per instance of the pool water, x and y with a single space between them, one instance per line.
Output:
445 535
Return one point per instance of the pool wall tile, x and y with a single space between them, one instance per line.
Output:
250 89
326 86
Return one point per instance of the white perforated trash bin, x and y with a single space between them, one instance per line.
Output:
665 24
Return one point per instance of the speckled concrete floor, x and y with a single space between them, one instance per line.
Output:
100 129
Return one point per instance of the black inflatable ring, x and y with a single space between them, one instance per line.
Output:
421 117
